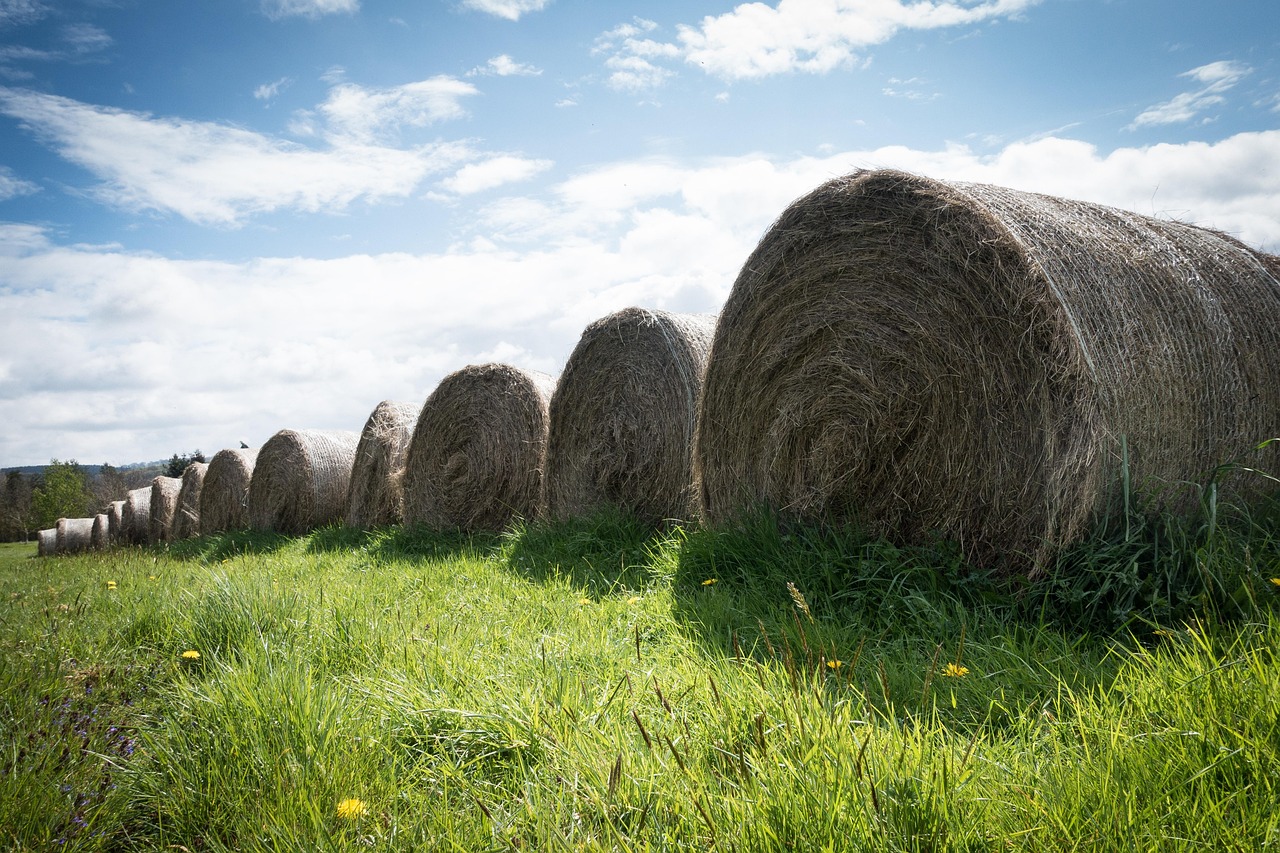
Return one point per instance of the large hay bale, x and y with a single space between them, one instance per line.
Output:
100 533
300 480
74 535
475 459
136 516
115 517
47 542
186 519
966 360
224 497
623 416
374 496
164 506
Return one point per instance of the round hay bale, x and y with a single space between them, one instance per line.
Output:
300 480
475 459
374 497
224 497
47 542
115 518
100 533
186 519
164 506
74 535
136 516
928 358
623 416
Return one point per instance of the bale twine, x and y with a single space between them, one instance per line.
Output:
475 459
623 416
100 533
136 516
47 542
186 519
224 497
374 497
164 507
115 519
300 480
74 535
966 360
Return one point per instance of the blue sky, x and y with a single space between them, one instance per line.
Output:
222 218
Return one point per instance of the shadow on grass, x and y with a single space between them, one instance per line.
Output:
416 543
220 546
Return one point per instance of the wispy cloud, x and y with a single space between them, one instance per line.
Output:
1215 80
366 114
508 9
504 66
269 91
15 12
78 43
492 173
757 40
277 9
12 186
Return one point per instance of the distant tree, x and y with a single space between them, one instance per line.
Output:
108 486
178 464
17 514
65 493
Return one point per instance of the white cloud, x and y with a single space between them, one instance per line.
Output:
269 91
277 9
505 66
1216 78
85 38
365 114
12 186
508 9
15 12
810 36
492 173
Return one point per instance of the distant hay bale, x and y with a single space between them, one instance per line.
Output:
186 519
224 496
374 496
475 458
136 516
965 360
300 480
100 533
164 507
74 535
115 517
47 542
623 416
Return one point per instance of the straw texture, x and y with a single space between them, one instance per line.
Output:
623 416
115 518
186 519
47 542
164 507
100 533
475 459
300 480
136 516
224 496
966 360
374 498
74 535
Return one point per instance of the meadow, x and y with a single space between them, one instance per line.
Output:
597 685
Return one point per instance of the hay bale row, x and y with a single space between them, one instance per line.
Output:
47 542
475 458
164 506
929 358
136 516
100 533
115 521
186 519
224 495
73 535
300 480
375 495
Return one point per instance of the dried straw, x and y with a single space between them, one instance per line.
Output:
623 416
100 534
300 480
164 507
74 535
186 520
475 459
115 518
971 361
374 497
136 516
224 497
47 542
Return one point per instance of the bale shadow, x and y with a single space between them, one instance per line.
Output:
416 543
221 546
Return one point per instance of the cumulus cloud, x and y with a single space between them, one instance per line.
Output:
511 10
1215 79
277 9
492 173
757 40
505 66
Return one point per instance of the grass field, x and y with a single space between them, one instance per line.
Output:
597 686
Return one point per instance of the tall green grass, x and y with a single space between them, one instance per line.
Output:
601 686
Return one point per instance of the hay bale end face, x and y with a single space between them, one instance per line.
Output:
623 417
300 480
74 535
136 516
374 498
100 534
224 495
961 359
164 507
115 517
47 542
186 519
475 458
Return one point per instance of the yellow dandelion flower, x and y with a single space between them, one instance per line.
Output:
709 582
111 584
351 808
1276 581
834 664
955 670
1162 632
584 600
191 654
635 599
151 577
